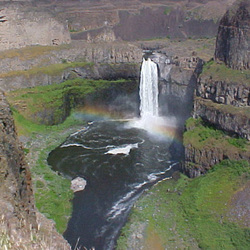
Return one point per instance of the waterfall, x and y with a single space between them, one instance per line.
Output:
149 89
149 107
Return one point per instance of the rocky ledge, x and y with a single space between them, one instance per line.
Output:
221 91
232 119
206 146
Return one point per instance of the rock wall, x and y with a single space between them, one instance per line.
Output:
111 61
177 81
98 71
224 92
138 19
233 39
22 226
199 161
16 194
155 22
22 25
222 95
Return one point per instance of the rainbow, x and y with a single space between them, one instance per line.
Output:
160 127
99 112
167 132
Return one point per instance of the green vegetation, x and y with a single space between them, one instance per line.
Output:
238 142
220 72
192 213
31 52
52 70
167 10
28 128
52 192
54 100
201 135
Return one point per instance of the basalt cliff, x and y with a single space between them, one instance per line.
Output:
222 95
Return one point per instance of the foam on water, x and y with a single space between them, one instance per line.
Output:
122 204
122 150
74 145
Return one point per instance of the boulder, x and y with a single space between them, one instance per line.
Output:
78 184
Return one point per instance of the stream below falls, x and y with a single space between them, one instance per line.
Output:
119 162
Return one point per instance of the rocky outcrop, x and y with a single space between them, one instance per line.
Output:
199 161
222 98
233 39
22 227
231 119
17 200
78 184
223 92
22 25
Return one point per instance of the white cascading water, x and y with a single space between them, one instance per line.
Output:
149 89
149 108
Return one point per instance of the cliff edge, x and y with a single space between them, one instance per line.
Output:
222 98
21 224
233 39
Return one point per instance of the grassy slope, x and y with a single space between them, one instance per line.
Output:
200 135
52 70
31 52
52 192
192 213
52 97
220 72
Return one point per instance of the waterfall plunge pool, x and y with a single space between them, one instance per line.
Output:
119 160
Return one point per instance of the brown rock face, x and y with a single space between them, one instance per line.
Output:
223 92
199 161
21 226
16 196
23 25
232 45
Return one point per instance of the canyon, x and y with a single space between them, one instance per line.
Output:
45 42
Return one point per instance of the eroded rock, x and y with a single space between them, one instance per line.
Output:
233 39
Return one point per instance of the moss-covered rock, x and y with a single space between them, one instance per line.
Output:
51 104
206 146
